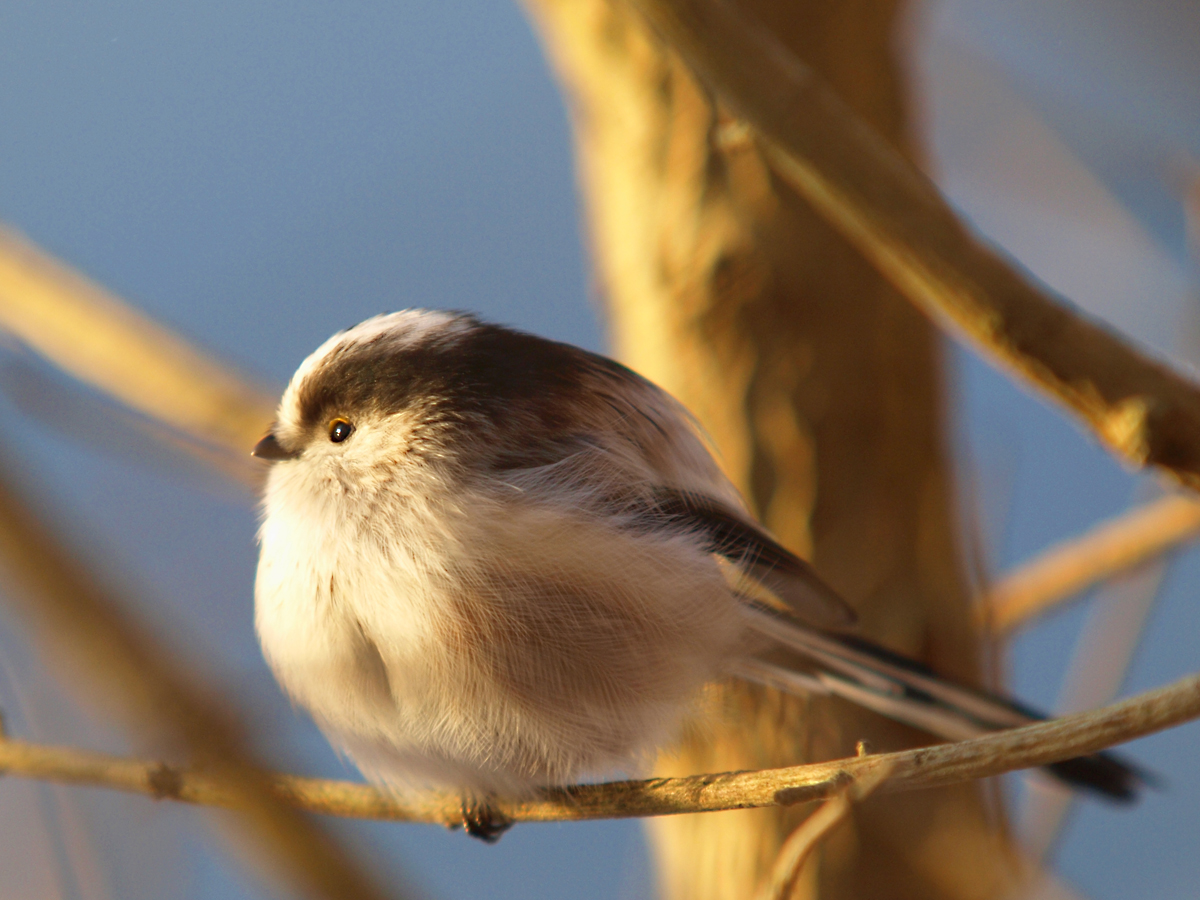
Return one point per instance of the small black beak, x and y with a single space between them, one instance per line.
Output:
270 448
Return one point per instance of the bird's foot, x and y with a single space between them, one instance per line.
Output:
482 821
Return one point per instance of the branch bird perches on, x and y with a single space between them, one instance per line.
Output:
1040 744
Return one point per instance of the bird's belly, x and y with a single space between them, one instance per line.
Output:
561 651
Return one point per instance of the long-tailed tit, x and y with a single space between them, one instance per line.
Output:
494 562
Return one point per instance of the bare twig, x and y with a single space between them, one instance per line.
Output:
926 767
1139 409
125 670
1067 569
804 840
89 333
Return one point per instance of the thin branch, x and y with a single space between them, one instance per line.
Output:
1067 569
129 674
926 767
1138 408
88 332
808 835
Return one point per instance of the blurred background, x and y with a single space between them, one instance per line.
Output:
257 176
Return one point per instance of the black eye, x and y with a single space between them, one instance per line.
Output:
339 430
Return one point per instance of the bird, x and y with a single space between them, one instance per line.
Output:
490 562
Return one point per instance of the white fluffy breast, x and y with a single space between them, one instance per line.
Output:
493 644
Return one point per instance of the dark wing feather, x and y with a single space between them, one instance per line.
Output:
756 553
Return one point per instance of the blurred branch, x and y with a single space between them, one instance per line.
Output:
89 333
1191 207
1067 569
1103 652
808 835
1020 748
101 649
1138 408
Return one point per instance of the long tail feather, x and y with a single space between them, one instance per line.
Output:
904 690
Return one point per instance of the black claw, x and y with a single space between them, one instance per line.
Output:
482 821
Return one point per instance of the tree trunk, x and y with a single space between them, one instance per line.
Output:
823 390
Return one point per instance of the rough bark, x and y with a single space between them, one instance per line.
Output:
823 391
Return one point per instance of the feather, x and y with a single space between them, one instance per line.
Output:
901 689
757 554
